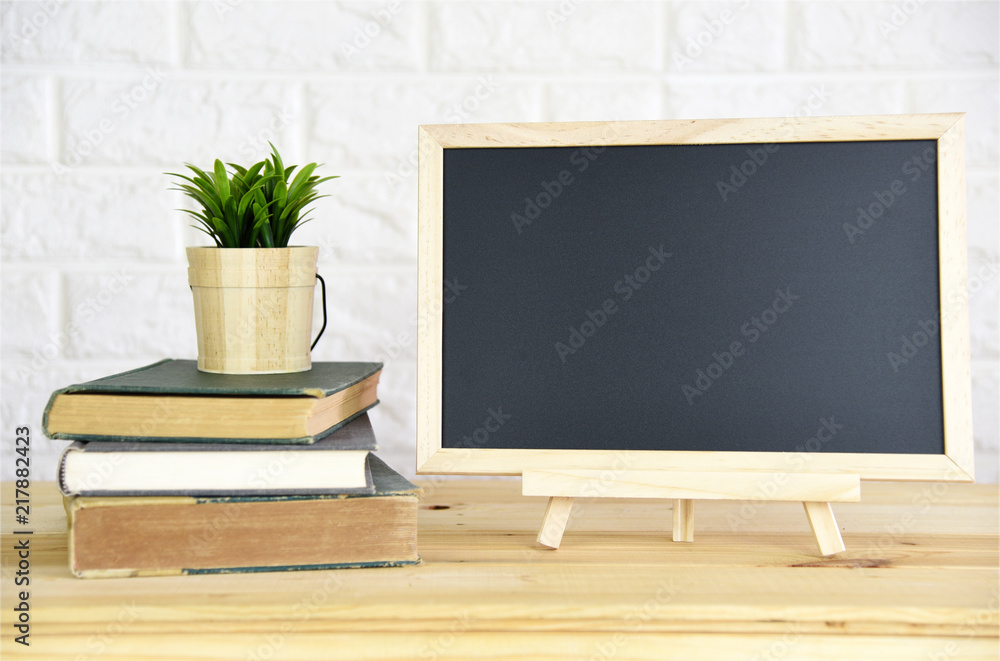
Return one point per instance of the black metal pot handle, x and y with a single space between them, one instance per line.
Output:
323 289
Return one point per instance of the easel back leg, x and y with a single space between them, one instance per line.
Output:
683 530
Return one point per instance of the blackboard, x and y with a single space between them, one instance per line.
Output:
755 297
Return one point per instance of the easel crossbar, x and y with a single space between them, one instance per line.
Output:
692 485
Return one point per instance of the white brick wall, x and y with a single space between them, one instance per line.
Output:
99 98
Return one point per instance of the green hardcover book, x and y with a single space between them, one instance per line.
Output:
172 401
123 536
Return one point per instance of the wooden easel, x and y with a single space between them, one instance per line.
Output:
815 490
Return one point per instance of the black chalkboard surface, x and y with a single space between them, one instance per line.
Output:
721 297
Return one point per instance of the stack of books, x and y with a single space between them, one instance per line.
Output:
175 471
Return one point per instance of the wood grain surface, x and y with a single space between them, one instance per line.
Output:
918 581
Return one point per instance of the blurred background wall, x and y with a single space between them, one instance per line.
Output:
100 98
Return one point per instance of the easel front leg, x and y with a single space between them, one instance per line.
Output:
824 527
683 520
554 522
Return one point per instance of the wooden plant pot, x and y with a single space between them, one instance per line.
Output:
253 308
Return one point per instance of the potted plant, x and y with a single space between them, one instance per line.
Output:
253 293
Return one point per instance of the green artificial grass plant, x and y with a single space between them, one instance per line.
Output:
256 207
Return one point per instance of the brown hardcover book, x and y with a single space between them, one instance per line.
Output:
172 401
151 536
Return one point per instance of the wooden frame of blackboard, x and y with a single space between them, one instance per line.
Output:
955 464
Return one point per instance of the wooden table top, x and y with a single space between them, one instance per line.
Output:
919 580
